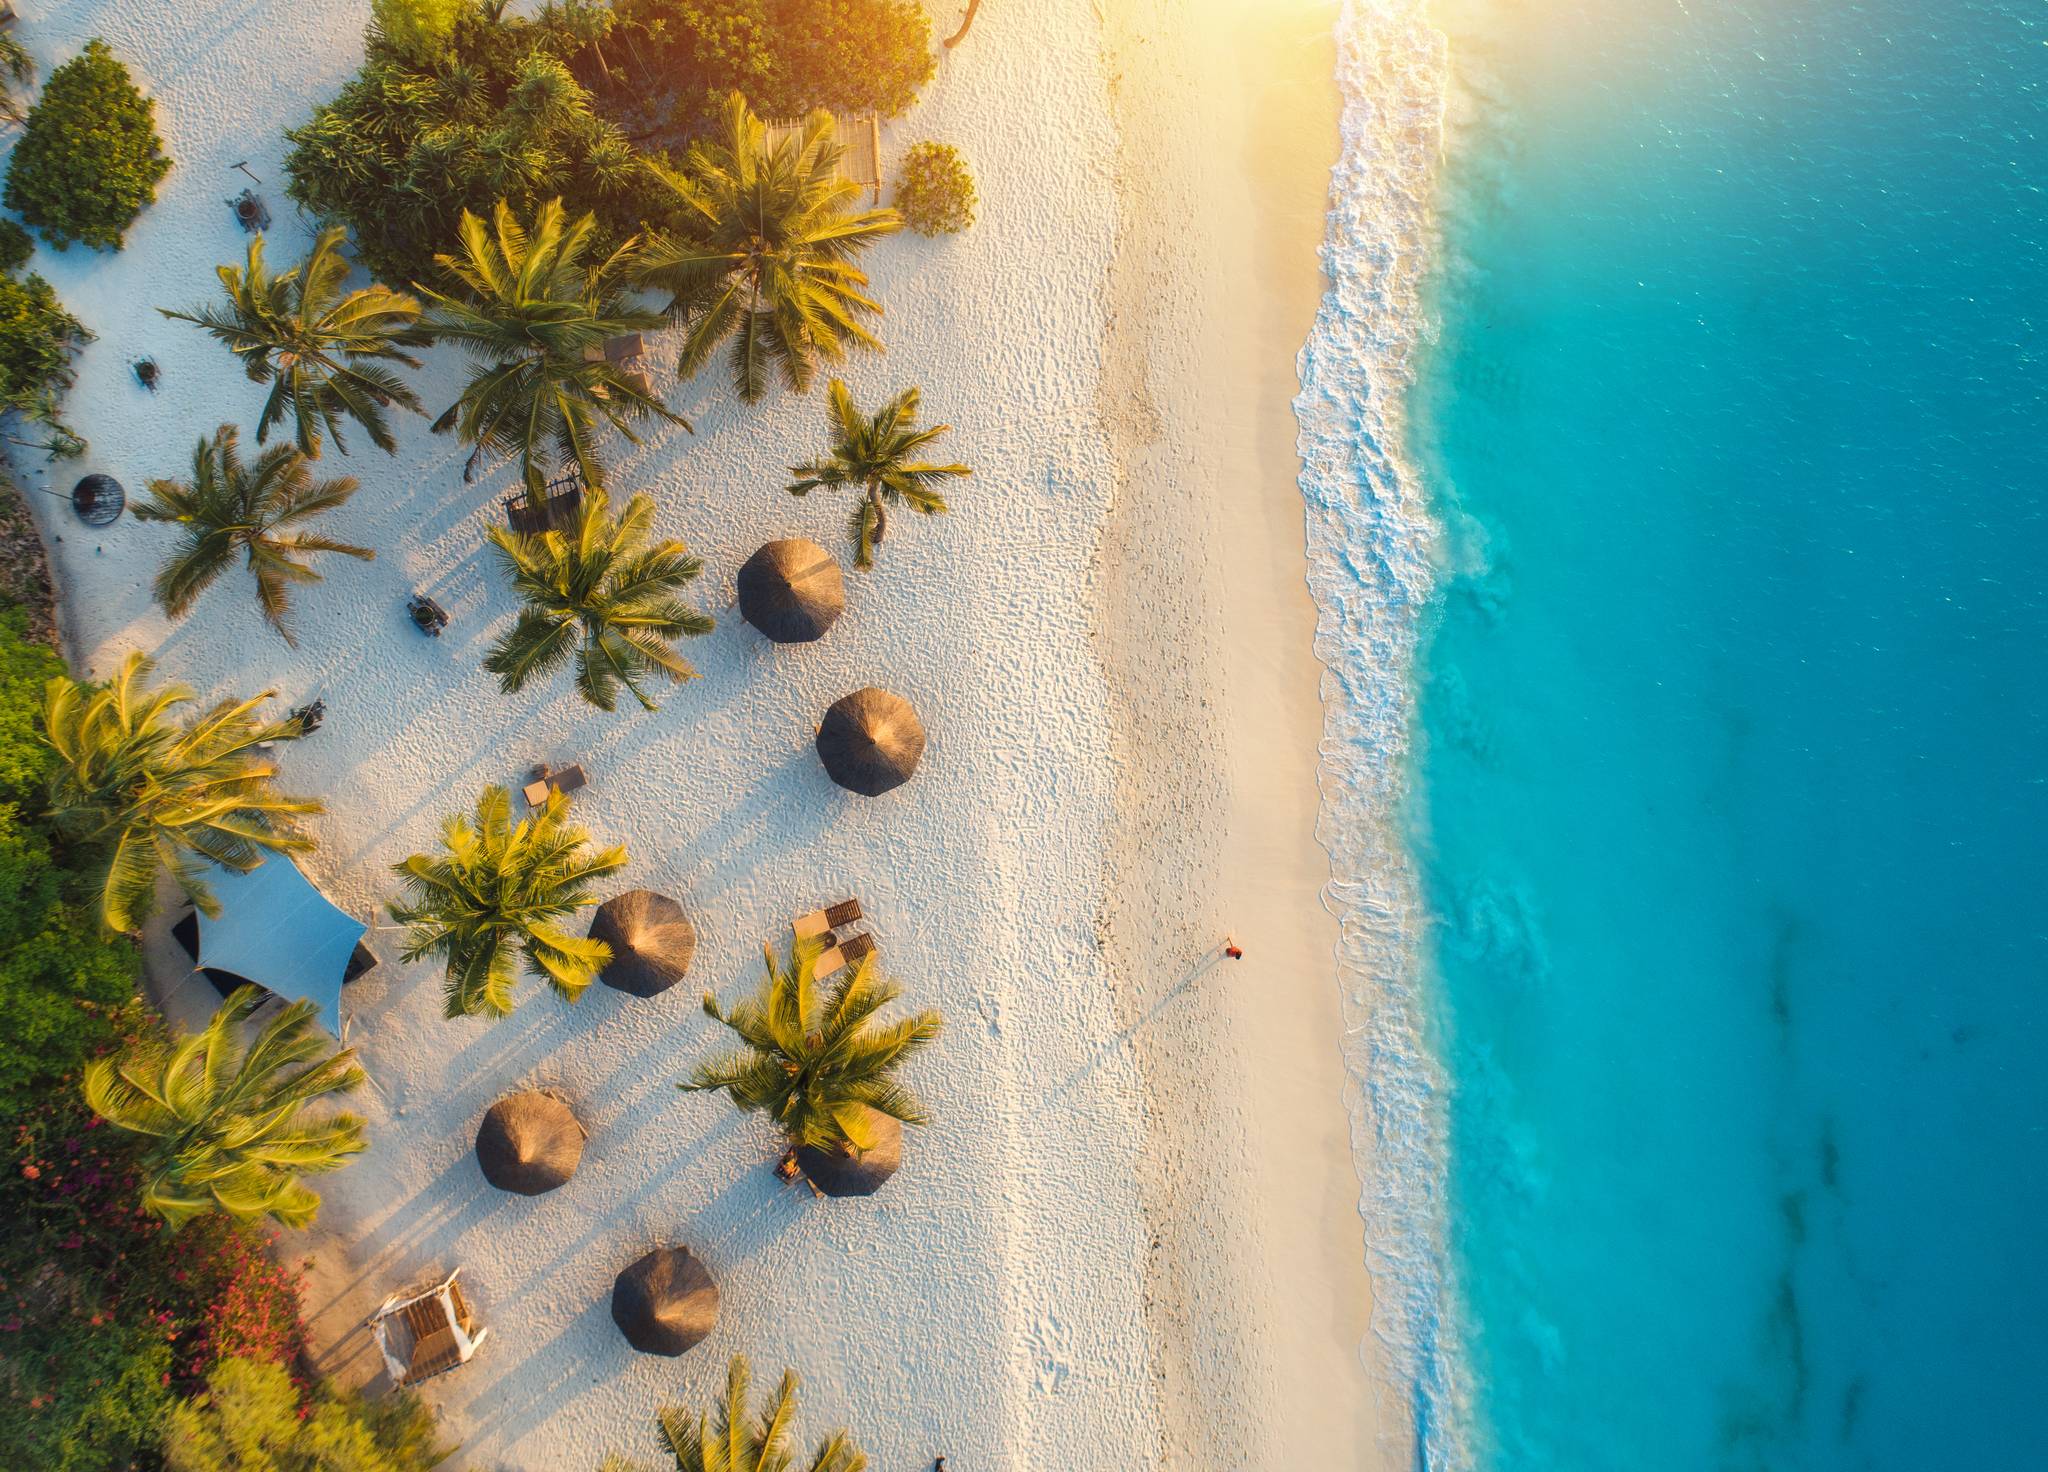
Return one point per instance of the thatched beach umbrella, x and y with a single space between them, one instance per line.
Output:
870 741
529 1143
860 1172
665 1303
792 591
652 941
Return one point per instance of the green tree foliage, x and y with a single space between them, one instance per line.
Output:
322 351
534 314
732 1437
254 511
17 70
603 595
763 254
89 158
25 668
418 29
878 456
423 134
852 56
815 1061
252 1418
934 191
37 339
498 890
16 246
223 1122
148 793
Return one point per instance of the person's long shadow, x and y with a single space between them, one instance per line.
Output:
1120 1040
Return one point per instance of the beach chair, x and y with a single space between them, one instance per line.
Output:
546 780
424 1334
427 616
845 953
820 922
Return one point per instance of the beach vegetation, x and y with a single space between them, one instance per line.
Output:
533 305
257 512
451 114
16 245
762 259
852 56
878 456
223 1123
814 1059
934 190
324 352
17 71
88 158
145 792
731 1436
37 340
253 1417
497 891
603 594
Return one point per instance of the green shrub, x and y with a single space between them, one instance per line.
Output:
16 246
37 338
252 1416
852 56
419 29
89 158
25 666
934 192
680 60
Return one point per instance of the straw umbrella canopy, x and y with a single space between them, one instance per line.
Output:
792 591
529 1143
651 939
870 741
665 1302
857 1172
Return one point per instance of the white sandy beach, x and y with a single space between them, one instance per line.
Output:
1131 1235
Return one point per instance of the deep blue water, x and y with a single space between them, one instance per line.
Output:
1732 794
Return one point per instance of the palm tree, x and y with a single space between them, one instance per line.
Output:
17 70
223 1122
765 254
603 592
497 890
535 317
875 455
732 1439
323 353
815 1064
164 795
228 507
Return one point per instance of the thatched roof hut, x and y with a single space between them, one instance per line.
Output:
652 941
870 741
529 1143
665 1302
792 591
858 1173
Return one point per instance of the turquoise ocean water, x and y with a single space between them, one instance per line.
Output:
1704 505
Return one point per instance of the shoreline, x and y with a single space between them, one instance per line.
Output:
1207 628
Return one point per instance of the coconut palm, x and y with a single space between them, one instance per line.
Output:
157 794
323 353
228 508
603 593
534 317
223 1121
730 1438
814 1062
764 252
498 890
876 456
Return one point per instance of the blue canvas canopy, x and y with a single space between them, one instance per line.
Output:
277 930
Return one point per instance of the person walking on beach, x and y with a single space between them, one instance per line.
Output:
1232 949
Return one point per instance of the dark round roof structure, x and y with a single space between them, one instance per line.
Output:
859 1173
665 1302
652 941
870 741
792 591
529 1143
98 499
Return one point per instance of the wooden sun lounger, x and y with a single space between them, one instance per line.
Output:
546 780
845 953
819 922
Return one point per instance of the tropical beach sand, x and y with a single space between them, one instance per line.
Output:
1131 1233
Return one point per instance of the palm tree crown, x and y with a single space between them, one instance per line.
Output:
765 252
815 1063
223 1122
498 890
228 507
164 795
732 1438
877 456
534 317
603 592
323 353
